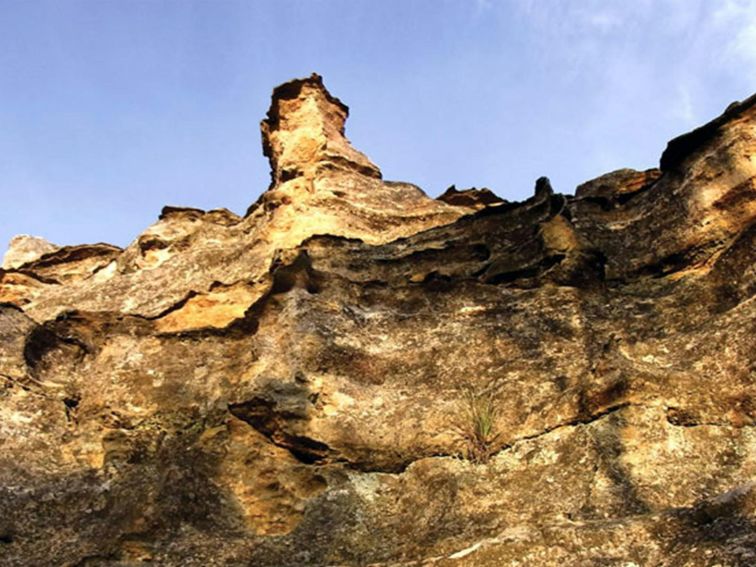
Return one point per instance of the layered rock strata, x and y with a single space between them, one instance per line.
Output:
298 386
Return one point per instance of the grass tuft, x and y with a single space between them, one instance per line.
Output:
479 430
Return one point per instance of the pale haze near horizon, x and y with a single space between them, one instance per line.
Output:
111 110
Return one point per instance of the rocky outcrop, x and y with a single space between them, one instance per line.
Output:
476 198
303 134
356 374
25 248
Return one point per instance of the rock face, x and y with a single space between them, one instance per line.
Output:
356 374
25 248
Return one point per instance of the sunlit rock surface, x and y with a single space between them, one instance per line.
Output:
293 387
25 248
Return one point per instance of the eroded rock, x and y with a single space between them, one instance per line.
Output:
293 387
25 248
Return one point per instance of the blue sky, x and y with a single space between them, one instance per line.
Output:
111 109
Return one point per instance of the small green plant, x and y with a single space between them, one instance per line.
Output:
479 430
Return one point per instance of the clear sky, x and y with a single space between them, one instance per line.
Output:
111 109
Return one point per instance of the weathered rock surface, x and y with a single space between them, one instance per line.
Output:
25 248
295 386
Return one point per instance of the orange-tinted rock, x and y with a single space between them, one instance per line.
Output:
303 134
354 373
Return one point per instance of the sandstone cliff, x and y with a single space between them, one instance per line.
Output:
354 373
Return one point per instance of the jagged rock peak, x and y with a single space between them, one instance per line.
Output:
303 133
